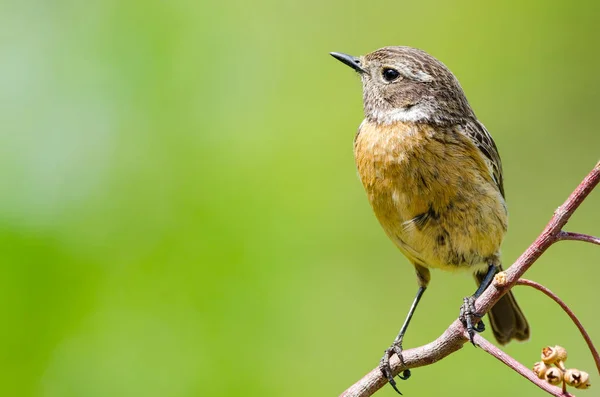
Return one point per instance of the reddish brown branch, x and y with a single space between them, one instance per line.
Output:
490 348
453 338
578 237
549 235
569 312
449 342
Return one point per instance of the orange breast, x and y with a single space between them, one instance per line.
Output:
432 192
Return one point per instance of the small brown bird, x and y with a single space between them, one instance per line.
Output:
433 176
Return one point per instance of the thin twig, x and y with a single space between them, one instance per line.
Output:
453 338
490 348
578 237
569 312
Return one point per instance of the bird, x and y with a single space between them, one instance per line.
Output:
433 177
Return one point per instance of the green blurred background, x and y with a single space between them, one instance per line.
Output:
180 213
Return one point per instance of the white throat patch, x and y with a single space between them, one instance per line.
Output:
413 114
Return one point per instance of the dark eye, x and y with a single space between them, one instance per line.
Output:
390 74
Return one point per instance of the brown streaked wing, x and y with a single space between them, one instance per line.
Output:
483 140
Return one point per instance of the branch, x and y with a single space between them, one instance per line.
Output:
449 342
518 367
569 312
578 237
454 337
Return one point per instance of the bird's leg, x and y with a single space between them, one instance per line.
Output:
470 319
396 347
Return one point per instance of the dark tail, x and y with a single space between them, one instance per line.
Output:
506 318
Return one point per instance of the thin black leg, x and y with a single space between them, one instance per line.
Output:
467 310
487 280
411 311
384 364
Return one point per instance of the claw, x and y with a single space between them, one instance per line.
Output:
393 383
405 374
386 369
467 314
480 327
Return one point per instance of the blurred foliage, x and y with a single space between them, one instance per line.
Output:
180 213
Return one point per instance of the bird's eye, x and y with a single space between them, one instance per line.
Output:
390 74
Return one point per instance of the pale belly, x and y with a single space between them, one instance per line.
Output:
433 195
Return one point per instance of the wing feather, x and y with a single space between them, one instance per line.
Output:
483 140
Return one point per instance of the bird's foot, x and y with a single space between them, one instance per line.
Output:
386 369
470 319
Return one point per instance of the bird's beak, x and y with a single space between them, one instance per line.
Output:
349 60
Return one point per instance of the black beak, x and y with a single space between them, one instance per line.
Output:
349 60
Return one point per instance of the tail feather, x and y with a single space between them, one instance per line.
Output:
506 318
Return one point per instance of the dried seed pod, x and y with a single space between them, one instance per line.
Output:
551 355
561 353
540 369
554 376
576 378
